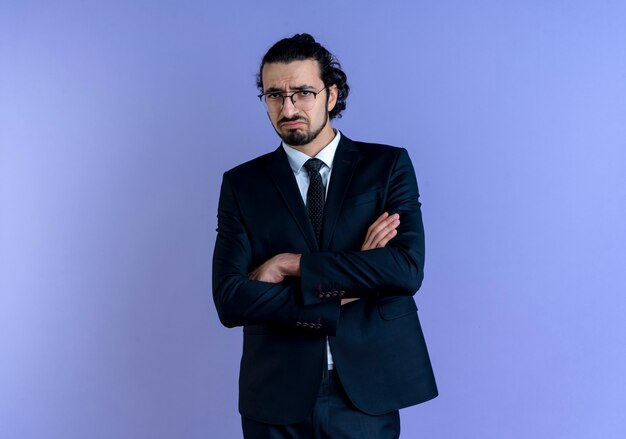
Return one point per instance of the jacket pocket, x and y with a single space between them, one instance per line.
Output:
395 307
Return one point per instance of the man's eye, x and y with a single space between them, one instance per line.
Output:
305 93
273 96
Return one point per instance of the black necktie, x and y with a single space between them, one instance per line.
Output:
315 195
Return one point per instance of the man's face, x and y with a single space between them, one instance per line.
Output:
295 126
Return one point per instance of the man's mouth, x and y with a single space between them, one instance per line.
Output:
291 124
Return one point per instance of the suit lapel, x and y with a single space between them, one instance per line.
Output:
345 161
282 175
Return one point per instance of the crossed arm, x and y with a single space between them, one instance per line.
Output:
275 269
266 295
289 288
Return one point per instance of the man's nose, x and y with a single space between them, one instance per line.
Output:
289 109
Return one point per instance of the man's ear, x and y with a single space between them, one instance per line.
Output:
333 94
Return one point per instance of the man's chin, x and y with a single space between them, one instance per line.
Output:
296 137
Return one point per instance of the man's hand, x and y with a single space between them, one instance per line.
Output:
378 235
275 270
381 231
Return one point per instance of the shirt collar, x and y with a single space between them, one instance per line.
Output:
297 158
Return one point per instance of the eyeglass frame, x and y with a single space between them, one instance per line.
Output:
290 96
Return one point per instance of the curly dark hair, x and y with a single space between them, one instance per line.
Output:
301 47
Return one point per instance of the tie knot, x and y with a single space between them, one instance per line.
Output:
313 165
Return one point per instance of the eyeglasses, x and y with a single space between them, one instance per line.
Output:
301 99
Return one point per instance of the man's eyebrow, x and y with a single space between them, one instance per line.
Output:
297 87
271 90
303 87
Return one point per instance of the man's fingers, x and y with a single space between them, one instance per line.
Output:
380 230
380 223
379 219
383 236
385 224
374 226
383 242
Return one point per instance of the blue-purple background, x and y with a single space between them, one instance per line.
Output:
118 118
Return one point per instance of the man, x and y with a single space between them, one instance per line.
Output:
320 248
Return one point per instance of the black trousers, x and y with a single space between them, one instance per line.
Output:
333 417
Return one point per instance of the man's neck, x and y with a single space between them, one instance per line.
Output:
314 147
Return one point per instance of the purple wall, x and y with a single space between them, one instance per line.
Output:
117 121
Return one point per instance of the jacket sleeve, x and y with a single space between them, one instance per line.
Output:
241 301
395 270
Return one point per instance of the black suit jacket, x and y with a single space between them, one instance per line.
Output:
377 343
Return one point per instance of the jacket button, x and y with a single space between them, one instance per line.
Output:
298 324
320 295
327 295
341 293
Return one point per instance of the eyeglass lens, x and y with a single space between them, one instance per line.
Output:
302 100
